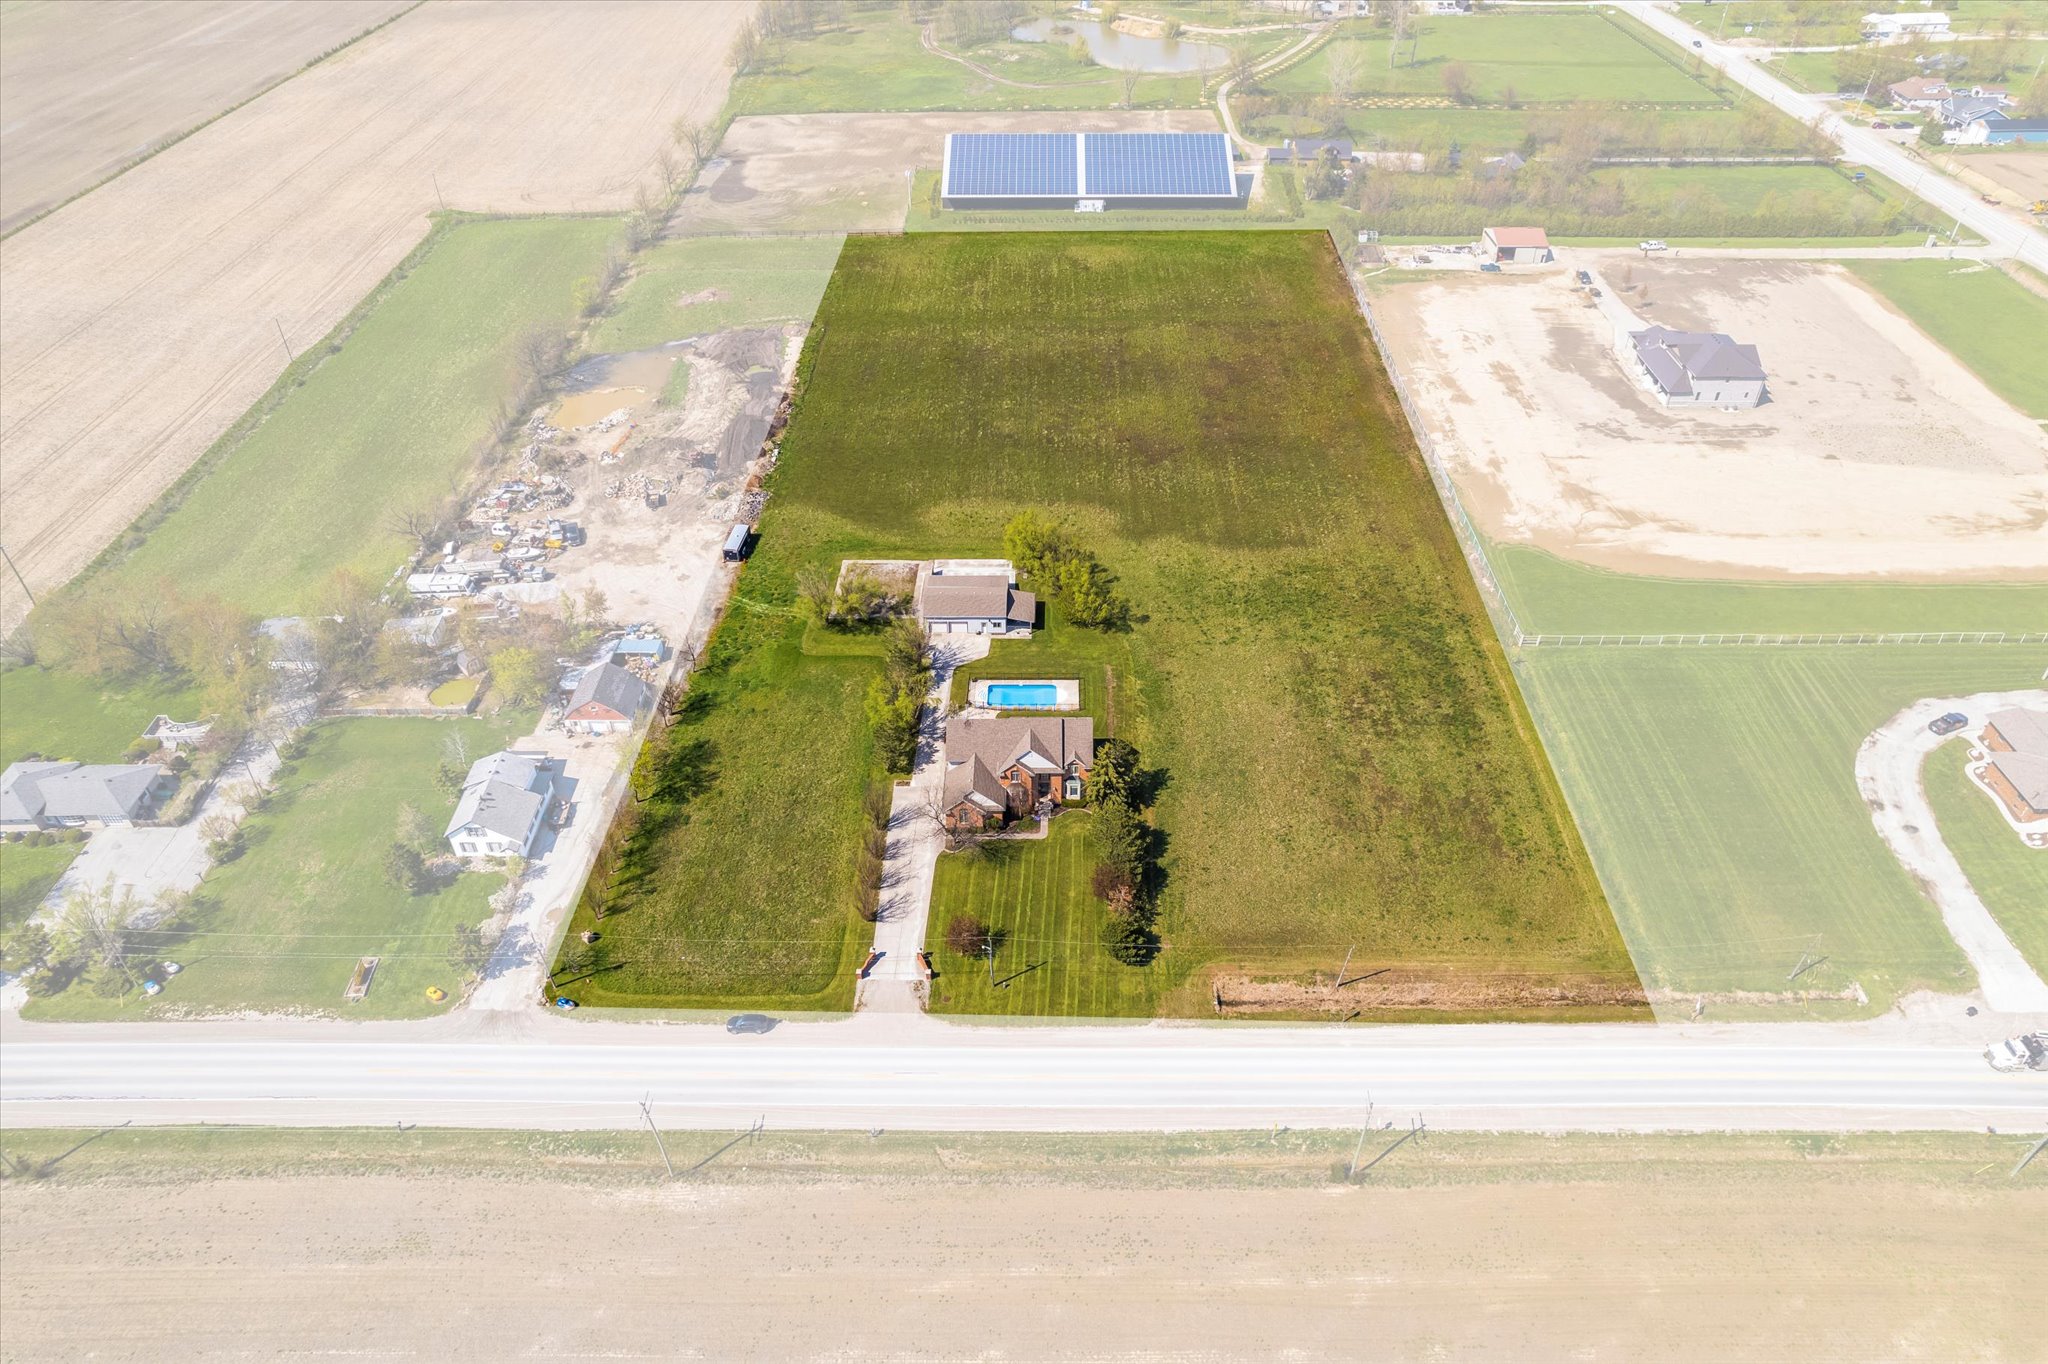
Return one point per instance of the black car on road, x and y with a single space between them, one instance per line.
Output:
749 1023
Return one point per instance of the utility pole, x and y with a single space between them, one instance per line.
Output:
988 949
1415 1129
647 1112
288 356
1358 1150
2028 1157
437 191
17 575
1339 982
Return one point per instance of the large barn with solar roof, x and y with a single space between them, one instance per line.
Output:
1079 171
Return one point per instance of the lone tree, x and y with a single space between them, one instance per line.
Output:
467 950
969 936
405 868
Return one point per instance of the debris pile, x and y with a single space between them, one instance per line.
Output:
638 485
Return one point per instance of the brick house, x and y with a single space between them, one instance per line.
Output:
999 769
2016 742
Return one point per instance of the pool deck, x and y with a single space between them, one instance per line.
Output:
1066 692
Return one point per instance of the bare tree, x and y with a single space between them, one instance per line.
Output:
424 526
1457 79
669 168
696 136
1345 67
539 353
1130 82
1397 14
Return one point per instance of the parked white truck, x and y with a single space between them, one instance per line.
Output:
2028 1051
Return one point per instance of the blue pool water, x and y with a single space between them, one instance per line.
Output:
1023 694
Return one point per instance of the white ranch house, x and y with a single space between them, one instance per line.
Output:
504 801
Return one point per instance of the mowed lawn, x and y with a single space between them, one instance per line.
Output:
382 426
2010 877
26 875
1991 324
1716 788
1554 57
1554 596
280 928
65 715
698 285
1343 755
1049 961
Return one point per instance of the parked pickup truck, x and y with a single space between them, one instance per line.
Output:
2028 1051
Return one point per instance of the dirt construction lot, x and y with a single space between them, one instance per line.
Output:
1878 453
142 319
84 89
914 1247
851 172
2024 173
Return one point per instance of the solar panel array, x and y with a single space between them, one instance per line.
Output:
1000 164
1145 164
1115 165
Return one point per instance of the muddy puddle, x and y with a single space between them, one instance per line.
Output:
604 384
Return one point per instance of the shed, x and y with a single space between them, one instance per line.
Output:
1522 245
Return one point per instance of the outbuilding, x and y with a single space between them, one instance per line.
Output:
1520 245
607 700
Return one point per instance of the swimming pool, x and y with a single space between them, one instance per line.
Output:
1025 695
1016 693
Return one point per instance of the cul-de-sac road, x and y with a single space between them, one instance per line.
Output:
910 1071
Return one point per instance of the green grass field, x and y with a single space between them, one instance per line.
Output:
1557 57
1716 789
383 425
756 280
1345 757
1551 595
1050 962
874 62
280 927
26 875
1987 321
62 715
2010 877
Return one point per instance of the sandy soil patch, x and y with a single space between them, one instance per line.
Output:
851 172
84 90
2024 173
1588 1263
1878 454
143 319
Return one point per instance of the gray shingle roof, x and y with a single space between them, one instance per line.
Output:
974 596
2028 773
65 790
612 687
2025 730
973 781
1675 359
503 793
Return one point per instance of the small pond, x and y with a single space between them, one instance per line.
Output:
1122 51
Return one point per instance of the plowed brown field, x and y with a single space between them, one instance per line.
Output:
142 319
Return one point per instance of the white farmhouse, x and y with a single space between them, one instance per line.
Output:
503 803
1892 28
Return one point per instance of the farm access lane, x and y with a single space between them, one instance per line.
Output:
1918 1070
1858 144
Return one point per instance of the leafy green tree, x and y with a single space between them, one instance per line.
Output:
907 654
1120 837
405 868
1114 769
1034 544
1084 587
415 830
1930 133
517 674
467 950
892 712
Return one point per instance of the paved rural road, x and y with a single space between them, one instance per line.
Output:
917 1073
1858 144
